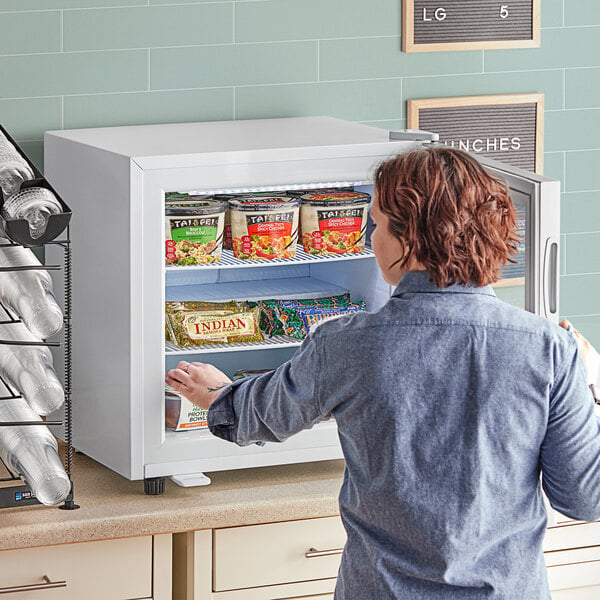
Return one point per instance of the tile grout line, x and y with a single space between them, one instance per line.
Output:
574 233
318 61
233 15
149 71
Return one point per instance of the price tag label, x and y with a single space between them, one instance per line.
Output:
442 25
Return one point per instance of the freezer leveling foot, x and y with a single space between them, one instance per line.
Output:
154 486
191 479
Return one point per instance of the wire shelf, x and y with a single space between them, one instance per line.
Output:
228 261
276 341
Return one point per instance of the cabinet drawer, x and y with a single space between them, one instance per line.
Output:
103 570
312 597
572 534
292 551
573 568
583 593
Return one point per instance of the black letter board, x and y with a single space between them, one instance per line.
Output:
508 128
441 25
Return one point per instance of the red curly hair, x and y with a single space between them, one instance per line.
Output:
452 216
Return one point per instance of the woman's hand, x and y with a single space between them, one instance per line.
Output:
200 383
588 353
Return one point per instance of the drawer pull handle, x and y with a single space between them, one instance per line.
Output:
314 553
32 587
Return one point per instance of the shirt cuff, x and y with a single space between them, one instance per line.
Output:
221 418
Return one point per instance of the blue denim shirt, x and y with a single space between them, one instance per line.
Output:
449 404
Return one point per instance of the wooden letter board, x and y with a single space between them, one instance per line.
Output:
508 128
442 25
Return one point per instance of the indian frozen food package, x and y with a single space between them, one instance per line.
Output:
201 323
334 222
264 228
194 231
181 414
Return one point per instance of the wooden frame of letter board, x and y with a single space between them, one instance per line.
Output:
408 35
415 106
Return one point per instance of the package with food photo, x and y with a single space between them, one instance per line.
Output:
181 414
264 228
194 232
334 222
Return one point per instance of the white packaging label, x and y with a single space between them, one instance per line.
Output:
191 416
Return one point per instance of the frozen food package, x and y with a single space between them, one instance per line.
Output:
227 239
270 321
264 228
214 324
334 222
243 373
194 232
181 414
298 320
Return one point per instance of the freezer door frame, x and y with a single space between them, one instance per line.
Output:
168 453
542 278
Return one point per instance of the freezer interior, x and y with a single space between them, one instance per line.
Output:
303 277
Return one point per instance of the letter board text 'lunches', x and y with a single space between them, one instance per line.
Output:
442 25
508 128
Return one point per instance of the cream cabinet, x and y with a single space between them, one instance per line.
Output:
291 560
120 569
294 560
572 553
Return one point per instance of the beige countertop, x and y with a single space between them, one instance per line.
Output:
112 506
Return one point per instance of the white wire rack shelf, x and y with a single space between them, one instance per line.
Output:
276 341
229 262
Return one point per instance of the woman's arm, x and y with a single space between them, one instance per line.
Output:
570 453
267 408
590 358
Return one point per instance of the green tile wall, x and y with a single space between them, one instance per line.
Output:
89 63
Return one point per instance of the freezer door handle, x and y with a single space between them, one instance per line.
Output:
550 278
413 135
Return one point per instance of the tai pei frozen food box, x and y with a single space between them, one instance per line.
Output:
334 222
264 228
194 232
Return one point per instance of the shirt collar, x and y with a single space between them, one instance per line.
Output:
419 282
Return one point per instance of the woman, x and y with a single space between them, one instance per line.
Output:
448 402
